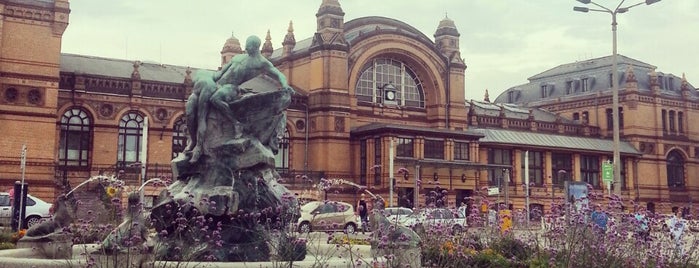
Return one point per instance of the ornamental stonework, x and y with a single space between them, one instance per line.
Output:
10 95
161 114
28 13
669 147
300 124
339 124
646 147
35 97
106 110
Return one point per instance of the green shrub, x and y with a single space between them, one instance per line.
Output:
510 247
5 237
6 245
488 258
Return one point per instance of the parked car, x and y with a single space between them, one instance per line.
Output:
397 214
36 210
429 218
327 215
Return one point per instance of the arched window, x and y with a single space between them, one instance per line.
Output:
382 71
75 138
130 134
675 169
179 137
281 160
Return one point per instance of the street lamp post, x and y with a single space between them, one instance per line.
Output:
615 79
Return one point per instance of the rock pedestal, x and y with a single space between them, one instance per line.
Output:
222 205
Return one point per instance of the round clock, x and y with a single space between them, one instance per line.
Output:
390 95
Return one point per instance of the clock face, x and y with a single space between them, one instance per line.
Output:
390 95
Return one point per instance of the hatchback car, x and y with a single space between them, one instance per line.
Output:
36 210
327 215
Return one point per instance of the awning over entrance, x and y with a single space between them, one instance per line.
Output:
379 128
552 141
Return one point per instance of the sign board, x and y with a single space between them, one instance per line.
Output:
607 172
505 220
577 194
493 191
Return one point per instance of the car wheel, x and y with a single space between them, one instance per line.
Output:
350 228
32 220
305 227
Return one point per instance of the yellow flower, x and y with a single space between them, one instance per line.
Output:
470 251
111 191
18 235
448 246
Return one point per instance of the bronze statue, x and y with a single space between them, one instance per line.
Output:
228 172
226 89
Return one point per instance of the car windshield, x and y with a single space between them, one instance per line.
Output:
310 206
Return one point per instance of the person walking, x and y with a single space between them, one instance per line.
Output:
462 210
677 225
599 219
642 227
363 212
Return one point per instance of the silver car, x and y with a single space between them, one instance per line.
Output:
37 210
430 217
327 215
397 214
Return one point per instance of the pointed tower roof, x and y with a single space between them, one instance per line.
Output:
289 38
232 45
330 7
685 84
267 46
487 96
447 27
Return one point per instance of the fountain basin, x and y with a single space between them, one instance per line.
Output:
330 255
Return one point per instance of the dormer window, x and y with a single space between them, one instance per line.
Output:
585 84
570 87
546 90
670 83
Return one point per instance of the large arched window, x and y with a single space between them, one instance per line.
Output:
281 160
384 71
179 137
130 134
675 169
75 138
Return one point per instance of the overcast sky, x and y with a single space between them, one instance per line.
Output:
503 42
